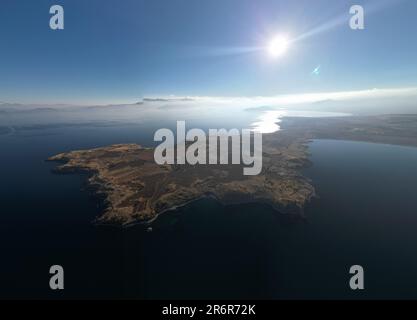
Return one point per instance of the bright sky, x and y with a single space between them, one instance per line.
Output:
119 51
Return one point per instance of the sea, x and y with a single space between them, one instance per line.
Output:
365 213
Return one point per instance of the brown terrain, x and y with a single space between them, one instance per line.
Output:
136 189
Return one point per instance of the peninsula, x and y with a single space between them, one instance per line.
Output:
136 189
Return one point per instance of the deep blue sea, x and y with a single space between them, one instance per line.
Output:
366 214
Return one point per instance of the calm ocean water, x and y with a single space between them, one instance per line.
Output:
366 214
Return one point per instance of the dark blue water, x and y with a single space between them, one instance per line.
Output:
366 214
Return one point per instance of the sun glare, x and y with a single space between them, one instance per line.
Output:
278 46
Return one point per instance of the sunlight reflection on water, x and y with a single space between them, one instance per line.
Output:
268 121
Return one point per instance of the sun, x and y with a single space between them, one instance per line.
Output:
278 46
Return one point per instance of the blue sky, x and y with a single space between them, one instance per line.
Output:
120 51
